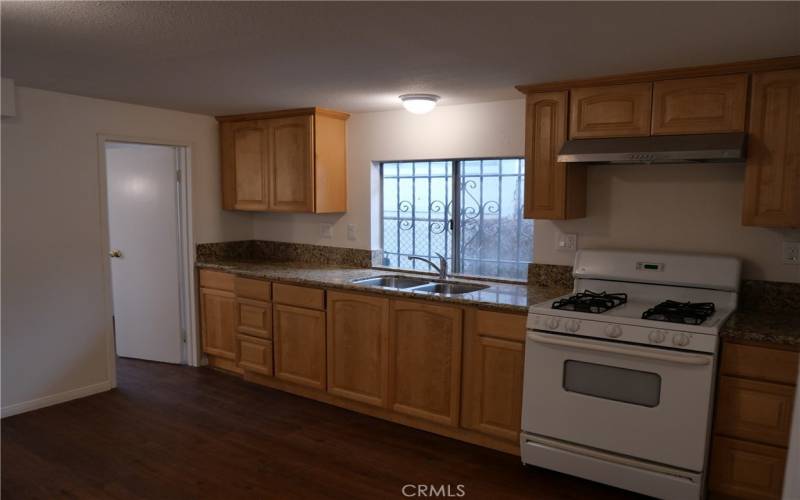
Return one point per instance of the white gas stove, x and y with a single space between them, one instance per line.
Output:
619 374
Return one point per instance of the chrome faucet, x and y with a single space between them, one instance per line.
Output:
441 268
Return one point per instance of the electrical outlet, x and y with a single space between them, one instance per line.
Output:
567 242
326 230
791 252
351 232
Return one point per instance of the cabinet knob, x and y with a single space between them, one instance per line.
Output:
116 254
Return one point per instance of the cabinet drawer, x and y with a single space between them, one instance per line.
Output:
612 111
299 296
254 318
216 279
254 354
252 289
746 470
501 325
757 411
759 363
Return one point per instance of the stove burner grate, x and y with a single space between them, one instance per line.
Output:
591 302
688 313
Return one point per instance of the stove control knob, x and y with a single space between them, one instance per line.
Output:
657 336
552 323
680 339
613 331
573 325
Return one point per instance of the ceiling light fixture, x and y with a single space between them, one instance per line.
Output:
419 104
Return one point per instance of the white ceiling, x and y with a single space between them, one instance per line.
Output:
231 57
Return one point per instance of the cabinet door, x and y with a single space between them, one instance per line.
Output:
740 469
425 361
218 322
756 411
553 190
358 347
613 111
772 179
700 105
244 162
291 164
299 343
494 354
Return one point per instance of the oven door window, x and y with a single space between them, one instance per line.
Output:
610 382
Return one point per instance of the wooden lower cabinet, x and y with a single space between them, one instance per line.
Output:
358 347
254 354
741 469
254 318
299 343
218 322
446 369
425 364
754 410
752 421
494 355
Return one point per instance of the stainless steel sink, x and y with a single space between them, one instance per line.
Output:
399 282
450 288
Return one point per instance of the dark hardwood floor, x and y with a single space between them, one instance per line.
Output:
178 432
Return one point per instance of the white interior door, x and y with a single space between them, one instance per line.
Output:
144 230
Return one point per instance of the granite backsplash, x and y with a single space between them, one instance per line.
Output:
769 296
261 250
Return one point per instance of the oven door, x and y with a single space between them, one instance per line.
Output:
644 402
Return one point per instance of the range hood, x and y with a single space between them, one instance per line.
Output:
697 148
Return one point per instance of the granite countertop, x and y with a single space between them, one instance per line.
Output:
763 326
498 296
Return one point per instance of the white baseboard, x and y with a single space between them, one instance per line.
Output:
54 399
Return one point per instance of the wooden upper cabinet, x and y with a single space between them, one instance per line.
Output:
700 105
612 111
494 355
772 178
358 347
290 167
284 161
425 361
553 190
249 157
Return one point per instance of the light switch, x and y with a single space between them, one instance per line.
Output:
351 232
567 242
791 252
326 230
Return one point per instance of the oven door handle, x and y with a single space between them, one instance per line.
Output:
682 359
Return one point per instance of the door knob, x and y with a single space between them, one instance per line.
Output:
115 253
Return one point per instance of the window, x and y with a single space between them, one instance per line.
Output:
486 237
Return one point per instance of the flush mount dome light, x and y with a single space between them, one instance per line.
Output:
419 104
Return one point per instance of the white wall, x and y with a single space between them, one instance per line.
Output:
691 208
54 321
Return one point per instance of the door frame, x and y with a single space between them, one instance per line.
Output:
185 246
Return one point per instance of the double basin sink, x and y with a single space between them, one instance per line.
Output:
423 285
